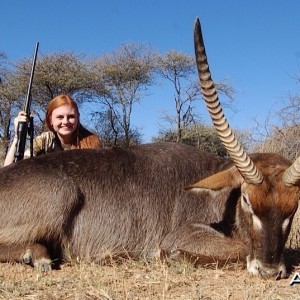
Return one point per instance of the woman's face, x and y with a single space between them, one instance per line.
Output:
64 120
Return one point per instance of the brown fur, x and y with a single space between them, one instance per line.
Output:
272 203
95 204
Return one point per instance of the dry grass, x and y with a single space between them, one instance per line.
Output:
149 280
140 280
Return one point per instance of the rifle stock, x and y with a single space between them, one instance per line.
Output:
23 127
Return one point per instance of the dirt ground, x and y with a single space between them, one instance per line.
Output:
144 280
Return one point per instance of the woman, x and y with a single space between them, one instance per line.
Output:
65 131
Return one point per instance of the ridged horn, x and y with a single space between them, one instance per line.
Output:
242 161
292 174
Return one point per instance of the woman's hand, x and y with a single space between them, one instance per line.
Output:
20 118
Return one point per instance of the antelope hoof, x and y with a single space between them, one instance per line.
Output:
27 257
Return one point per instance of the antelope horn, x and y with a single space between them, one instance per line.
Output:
242 161
292 174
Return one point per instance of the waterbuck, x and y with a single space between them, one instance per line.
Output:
152 200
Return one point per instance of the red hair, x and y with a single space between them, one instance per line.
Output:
82 137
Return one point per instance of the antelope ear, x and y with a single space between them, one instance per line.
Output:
228 178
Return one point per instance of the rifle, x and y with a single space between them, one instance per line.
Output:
25 128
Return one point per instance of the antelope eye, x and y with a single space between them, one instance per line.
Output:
246 205
245 199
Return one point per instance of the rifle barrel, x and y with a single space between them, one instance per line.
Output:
27 101
23 129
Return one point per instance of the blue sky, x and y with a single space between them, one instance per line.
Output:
253 44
